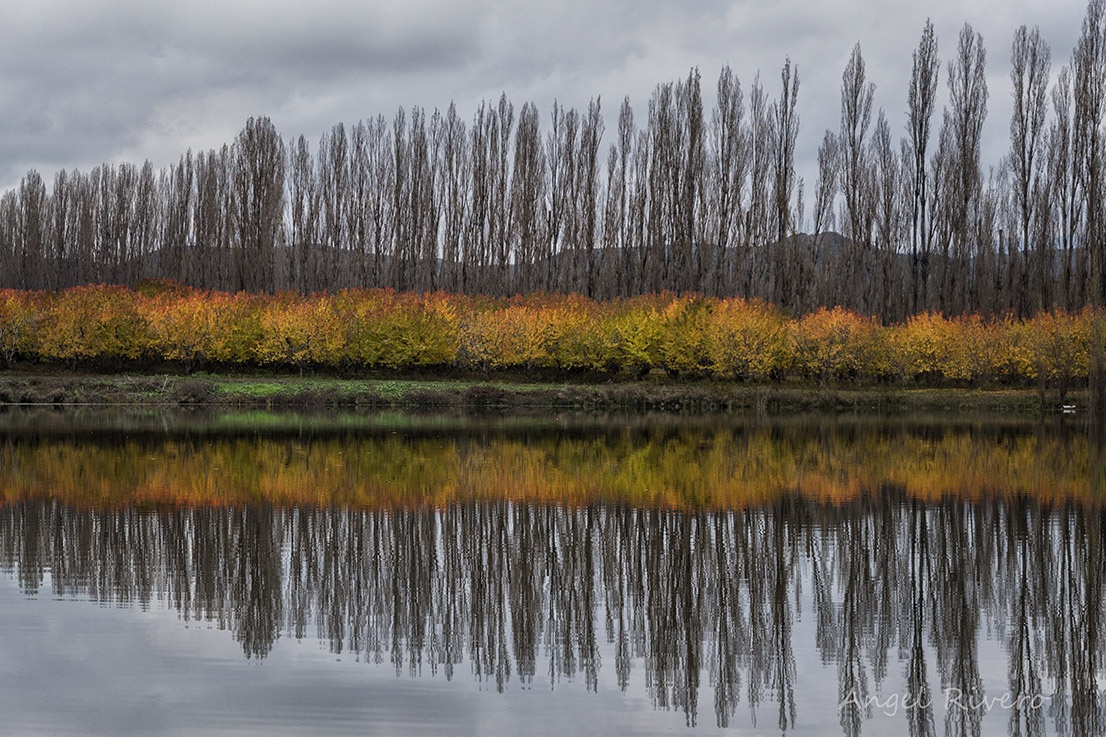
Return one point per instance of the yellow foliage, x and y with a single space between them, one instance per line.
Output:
685 330
838 344
1053 347
685 335
19 316
749 340
91 322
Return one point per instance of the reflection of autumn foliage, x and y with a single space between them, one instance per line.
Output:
688 335
725 469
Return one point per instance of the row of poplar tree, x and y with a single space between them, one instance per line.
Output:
688 200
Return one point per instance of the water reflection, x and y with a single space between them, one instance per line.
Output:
686 466
700 602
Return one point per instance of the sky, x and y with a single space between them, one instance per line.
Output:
85 82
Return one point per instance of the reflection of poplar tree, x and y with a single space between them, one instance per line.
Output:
920 710
956 615
1025 681
256 575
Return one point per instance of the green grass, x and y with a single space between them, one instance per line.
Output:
467 393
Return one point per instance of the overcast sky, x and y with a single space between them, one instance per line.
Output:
84 82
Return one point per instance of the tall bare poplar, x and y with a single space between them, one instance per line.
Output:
62 227
785 282
422 205
144 230
333 178
1063 188
664 189
9 237
883 296
381 217
968 98
357 207
825 194
1030 62
31 232
856 116
304 218
501 191
920 103
587 199
1089 65
620 198
454 185
729 162
258 202
177 197
528 202
758 217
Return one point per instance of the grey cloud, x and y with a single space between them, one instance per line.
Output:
95 80
86 82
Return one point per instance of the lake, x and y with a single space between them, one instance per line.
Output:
267 573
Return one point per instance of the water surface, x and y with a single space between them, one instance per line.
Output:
390 575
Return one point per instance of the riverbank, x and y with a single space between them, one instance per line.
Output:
470 394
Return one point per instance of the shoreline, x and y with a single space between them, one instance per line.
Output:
468 393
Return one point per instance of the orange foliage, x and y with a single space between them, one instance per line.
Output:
728 468
685 335
749 341
839 344
19 316
91 323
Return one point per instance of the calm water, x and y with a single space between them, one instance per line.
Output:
267 574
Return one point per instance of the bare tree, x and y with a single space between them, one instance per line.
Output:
31 231
920 102
501 126
1089 64
144 235
664 189
784 283
380 213
258 202
825 194
333 168
303 201
528 202
968 96
1030 61
856 115
587 199
177 201
357 206
729 163
454 198
619 198
756 230
883 293
1063 187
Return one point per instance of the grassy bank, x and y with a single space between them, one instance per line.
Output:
469 394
